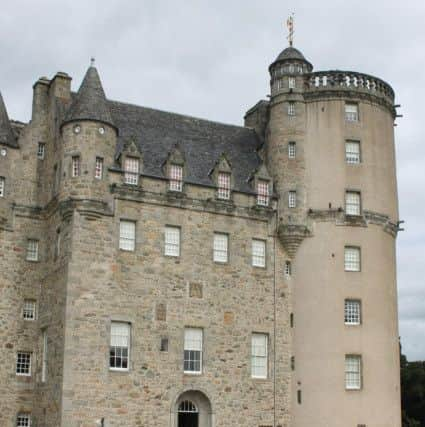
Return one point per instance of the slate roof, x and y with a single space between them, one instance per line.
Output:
201 143
90 102
7 136
291 53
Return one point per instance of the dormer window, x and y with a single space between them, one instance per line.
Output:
223 191
263 193
176 178
131 170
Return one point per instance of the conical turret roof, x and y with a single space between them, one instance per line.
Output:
289 54
90 102
7 135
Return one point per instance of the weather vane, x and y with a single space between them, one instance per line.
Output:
290 25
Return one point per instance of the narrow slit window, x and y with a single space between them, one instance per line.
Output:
288 268
41 150
291 108
172 241
131 170
44 358
98 171
176 178
292 199
259 355
223 191
32 250
193 342
292 149
2 186
221 247
76 166
119 351
127 235
263 193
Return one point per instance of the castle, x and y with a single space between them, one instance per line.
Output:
163 270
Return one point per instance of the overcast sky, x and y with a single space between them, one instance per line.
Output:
210 59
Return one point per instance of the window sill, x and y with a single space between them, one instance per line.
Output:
32 260
353 389
191 373
119 370
221 262
352 324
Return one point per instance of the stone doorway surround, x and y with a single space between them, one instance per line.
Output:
202 403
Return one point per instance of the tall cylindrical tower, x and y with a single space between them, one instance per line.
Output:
330 150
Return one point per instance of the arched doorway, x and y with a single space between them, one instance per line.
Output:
192 409
188 414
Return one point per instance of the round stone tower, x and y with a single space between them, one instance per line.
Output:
330 150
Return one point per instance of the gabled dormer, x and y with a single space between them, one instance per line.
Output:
174 169
221 175
262 185
131 162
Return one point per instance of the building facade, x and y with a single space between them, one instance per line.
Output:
163 270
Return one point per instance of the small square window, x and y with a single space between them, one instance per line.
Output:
119 350
32 250
292 199
176 178
351 112
164 345
172 241
2 186
292 150
352 258
291 108
291 82
131 170
98 171
221 247
223 191
352 152
263 193
76 166
23 420
41 150
259 355
258 253
353 379
352 203
127 235
29 310
23 363
352 312
193 343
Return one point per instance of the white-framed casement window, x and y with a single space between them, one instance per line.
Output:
258 253
352 203
291 108
288 268
23 420
131 170
223 190
263 192
32 250
172 241
352 258
291 82
119 350
351 112
193 338
98 168
352 152
292 149
2 186
23 363
29 311
76 166
127 235
41 150
352 312
221 247
353 374
259 355
292 199
44 357
176 178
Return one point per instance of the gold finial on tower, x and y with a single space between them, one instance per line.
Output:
290 25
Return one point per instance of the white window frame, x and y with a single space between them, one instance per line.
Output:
259 253
127 237
41 150
44 357
131 170
29 310
223 185
259 355
176 178
291 82
263 192
76 166
291 108
292 199
98 168
172 239
352 258
32 250
193 343
352 152
221 248
351 112
353 203
352 312
23 420
292 149
120 334
2 186
19 355
353 372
